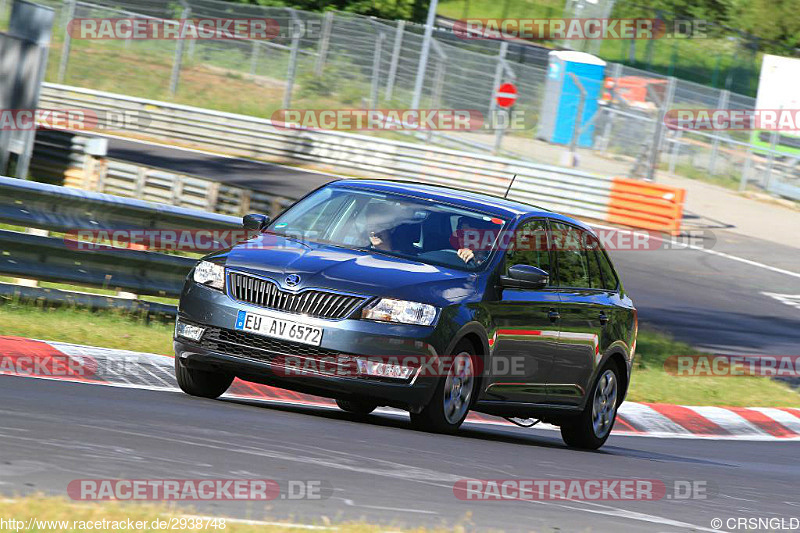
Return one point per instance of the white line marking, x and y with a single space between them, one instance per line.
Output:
709 251
792 300
351 503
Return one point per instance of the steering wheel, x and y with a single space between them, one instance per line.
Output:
450 250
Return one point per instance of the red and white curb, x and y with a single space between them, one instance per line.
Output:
122 368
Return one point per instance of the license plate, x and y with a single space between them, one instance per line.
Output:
279 328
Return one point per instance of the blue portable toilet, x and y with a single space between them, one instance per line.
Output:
561 96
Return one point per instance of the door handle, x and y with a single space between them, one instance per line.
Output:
553 315
603 319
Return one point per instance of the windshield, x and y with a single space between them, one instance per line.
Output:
407 227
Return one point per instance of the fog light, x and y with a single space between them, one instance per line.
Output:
380 369
182 329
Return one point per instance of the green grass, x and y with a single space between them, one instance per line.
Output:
707 60
650 382
80 326
459 9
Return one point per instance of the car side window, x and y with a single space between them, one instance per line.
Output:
595 275
610 279
569 244
529 246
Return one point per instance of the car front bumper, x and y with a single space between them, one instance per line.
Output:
263 359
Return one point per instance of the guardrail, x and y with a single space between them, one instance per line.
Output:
64 209
582 194
60 156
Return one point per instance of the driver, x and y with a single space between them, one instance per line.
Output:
379 236
470 230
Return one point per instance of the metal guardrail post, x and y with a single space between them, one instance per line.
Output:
65 46
254 57
423 55
676 146
773 144
616 74
376 70
576 128
748 163
292 68
398 47
658 135
498 76
324 43
176 64
722 103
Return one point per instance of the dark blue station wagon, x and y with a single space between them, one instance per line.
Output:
424 298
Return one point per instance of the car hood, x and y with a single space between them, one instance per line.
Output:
354 271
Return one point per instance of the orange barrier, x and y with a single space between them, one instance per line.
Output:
646 205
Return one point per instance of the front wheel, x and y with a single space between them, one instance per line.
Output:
591 428
451 401
201 383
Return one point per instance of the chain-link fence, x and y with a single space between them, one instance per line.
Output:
338 60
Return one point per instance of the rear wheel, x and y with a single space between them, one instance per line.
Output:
357 407
201 383
451 401
591 428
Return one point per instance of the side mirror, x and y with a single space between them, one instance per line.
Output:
525 277
255 221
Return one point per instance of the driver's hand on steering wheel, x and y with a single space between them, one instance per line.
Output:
466 254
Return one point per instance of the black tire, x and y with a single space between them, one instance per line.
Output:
433 417
201 382
580 432
357 407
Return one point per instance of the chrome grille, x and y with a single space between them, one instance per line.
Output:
265 293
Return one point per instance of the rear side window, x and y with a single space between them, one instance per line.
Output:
610 280
595 275
569 244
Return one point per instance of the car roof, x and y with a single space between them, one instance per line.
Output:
470 200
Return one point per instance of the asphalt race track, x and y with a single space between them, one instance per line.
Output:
718 303
380 470
280 180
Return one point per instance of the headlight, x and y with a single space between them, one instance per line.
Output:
210 274
389 310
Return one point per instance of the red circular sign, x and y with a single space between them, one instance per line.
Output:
506 95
